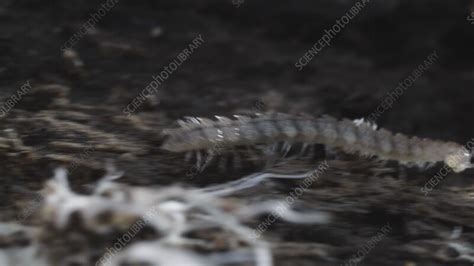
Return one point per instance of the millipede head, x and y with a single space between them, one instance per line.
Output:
460 160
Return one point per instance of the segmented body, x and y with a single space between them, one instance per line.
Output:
350 136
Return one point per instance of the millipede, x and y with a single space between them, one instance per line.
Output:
350 136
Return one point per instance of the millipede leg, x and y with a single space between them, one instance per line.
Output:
237 160
303 149
198 159
223 163
286 148
209 158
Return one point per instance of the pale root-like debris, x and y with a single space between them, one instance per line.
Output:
173 212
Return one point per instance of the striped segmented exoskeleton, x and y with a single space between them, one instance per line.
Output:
350 136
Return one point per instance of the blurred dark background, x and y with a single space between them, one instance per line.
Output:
249 55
